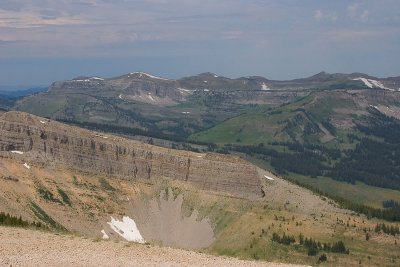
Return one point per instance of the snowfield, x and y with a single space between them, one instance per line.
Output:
269 178
264 87
17 152
127 229
185 90
148 75
372 83
97 78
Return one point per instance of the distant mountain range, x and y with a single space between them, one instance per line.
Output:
179 107
15 92
211 81
336 134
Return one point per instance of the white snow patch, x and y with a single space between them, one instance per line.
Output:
269 178
206 90
27 166
42 122
127 229
120 96
205 82
148 75
378 84
185 112
216 76
105 236
375 107
97 78
372 83
264 87
185 90
17 152
151 98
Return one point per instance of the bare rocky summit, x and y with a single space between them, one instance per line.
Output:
21 247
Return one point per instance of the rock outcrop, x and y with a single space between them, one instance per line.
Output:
44 142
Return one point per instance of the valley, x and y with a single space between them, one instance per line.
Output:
41 186
272 171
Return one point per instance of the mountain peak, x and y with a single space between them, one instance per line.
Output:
208 74
141 74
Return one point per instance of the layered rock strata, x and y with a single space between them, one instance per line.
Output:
48 143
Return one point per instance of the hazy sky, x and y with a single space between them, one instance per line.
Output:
46 40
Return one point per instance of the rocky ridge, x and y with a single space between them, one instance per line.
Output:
40 141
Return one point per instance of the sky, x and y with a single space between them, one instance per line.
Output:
42 41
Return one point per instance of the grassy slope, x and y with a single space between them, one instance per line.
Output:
244 229
238 223
263 127
359 192
252 127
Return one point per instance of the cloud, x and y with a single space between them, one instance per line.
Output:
355 13
343 35
168 28
233 35
30 19
318 15
364 16
352 10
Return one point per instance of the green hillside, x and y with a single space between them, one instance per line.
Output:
332 141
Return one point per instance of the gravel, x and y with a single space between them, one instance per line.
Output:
22 247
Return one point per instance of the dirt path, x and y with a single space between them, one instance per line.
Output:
20 247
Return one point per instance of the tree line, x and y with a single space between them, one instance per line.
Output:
14 221
313 247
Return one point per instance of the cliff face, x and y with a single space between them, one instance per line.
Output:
46 143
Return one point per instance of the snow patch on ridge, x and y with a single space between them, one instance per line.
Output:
97 78
151 98
89 79
264 87
17 152
148 75
185 90
127 229
27 166
269 178
372 83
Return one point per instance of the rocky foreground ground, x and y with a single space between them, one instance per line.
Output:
21 247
